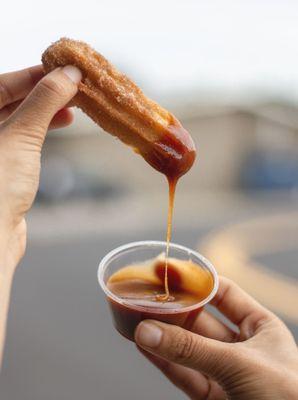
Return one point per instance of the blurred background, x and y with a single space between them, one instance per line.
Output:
229 71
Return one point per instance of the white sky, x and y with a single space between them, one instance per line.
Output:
167 46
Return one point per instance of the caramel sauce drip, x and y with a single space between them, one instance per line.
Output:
172 188
178 157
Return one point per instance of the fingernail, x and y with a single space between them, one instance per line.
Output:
148 334
73 73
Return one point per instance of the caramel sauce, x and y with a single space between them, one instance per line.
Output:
172 188
173 157
138 286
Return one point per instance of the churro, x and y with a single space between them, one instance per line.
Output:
115 103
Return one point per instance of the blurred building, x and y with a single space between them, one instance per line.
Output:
253 146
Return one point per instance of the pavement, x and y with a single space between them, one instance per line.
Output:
60 341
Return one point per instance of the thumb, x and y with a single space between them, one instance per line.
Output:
178 345
32 118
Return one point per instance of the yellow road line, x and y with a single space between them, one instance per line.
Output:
232 250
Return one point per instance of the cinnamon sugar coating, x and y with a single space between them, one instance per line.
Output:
119 106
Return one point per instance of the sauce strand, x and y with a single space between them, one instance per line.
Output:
172 187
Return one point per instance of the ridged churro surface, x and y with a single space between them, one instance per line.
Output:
115 103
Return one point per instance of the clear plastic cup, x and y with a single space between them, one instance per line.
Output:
127 315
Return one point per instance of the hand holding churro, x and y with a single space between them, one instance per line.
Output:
30 103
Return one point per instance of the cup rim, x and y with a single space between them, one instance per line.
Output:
155 243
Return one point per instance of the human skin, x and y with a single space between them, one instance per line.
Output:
259 360
30 104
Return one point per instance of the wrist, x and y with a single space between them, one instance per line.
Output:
4 239
11 247
6 221
4 246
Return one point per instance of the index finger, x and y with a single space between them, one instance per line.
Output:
237 305
191 382
16 85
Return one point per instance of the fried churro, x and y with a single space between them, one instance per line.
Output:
115 103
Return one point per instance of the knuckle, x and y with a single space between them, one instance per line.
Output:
51 88
186 384
224 355
5 94
20 133
230 337
183 347
168 368
229 361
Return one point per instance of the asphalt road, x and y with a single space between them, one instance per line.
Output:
61 343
